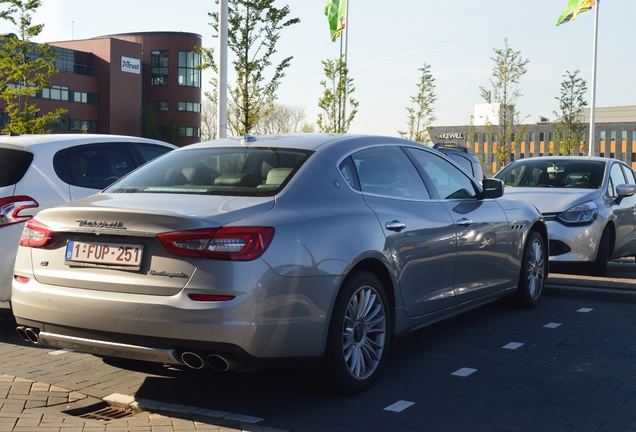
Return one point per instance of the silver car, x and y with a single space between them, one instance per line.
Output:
588 204
304 250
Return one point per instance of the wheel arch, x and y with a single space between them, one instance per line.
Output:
379 270
612 237
538 226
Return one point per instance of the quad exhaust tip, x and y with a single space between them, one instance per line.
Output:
29 334
215 361
191 359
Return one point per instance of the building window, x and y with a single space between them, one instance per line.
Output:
613 136
541 137
602 135
73 62
190 132
162 105
159 64
189 106
60 123
189 72
56 93
624 136
84 126
80 97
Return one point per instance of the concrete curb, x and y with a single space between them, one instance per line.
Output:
619 285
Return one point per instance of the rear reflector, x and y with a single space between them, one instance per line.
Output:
210 297
10 208
21 279
225 243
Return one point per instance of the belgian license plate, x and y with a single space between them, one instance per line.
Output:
117 255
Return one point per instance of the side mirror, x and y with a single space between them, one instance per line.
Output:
493 188
624 191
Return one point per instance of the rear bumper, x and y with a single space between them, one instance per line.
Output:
286 318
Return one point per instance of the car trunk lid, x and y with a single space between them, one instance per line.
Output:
110 242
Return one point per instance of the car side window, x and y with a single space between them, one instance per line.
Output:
450 182
13 165
629 175
148 152
462 162
616 178
94 166
388 171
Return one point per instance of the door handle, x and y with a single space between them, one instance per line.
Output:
395 226
463 222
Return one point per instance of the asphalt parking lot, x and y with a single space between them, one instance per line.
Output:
567 365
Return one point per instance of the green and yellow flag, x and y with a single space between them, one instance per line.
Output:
336 11
574 8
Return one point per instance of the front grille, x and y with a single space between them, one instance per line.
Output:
549 216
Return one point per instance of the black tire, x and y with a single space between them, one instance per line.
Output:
599 266
359 335
534 270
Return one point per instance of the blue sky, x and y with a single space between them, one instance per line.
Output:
389 41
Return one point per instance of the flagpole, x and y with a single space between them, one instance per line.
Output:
221 126
346 45
592 139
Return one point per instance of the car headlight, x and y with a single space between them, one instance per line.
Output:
580 214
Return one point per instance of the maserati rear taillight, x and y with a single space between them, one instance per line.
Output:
10 208
226 243
37 235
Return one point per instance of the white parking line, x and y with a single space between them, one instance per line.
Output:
464 372
585 310
552 325
62 351
399 406
512 345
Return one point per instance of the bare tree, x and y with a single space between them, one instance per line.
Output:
208 120
281 119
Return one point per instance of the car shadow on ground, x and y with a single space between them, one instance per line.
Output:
264 392
622 268
8 335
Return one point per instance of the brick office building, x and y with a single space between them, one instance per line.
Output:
140 84
615 131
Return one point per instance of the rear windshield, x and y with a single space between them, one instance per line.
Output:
244 171
13 165
573 173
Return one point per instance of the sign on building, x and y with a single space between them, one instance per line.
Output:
130 65
451 136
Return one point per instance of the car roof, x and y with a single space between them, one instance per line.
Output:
58 141
566 158
302 141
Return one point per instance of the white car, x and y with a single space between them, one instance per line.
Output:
588 203
42 171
